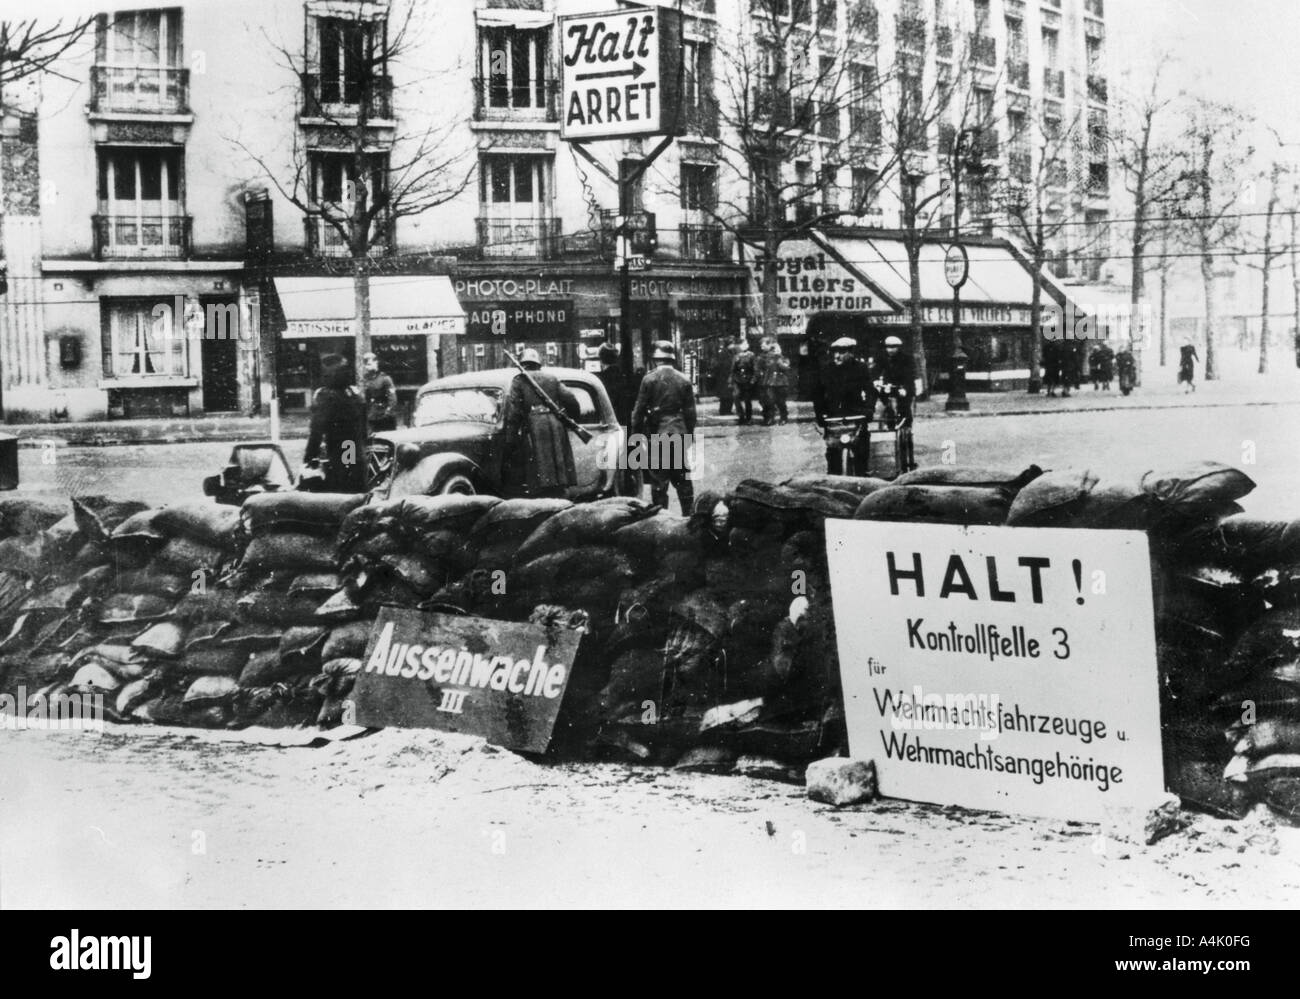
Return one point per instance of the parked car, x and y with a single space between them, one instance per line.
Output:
456 441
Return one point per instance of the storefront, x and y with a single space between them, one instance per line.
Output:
567 311
409 317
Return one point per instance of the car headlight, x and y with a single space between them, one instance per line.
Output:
407 455
845 438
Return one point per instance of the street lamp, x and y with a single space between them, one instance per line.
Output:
956 269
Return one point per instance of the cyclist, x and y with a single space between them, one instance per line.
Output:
896 383
844 390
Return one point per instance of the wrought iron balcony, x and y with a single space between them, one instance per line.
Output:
701 242
1054 82
324 240
331 97
539 238
139 89
495 101
163 237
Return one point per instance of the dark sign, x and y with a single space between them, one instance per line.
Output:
704 317
498 679
510 322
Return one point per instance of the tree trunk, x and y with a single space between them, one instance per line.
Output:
1263 320
915 328
771 297
1295 282
1207 278
361 311
1164 302
1036 324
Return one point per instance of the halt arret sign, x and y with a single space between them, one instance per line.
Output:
1009 669
502 680
619 73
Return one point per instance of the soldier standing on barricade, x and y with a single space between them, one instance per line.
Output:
664 419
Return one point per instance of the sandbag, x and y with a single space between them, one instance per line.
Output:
300 647
97 517
58 598
213 524
1053 499
94 554
217 661
1253 544
422 574
318 585
861 486
937 505
251 637
166 639
276 608
451 547
1266 737
636 676
338 607
208 605
338 676
1270 641
186 556
347 641
157 579
121 608
1197 488
63 538
649 539
206 634
289 550
139 526
363 522
754 504
298 512
208 690
28 515
264 668
968 475
92 678
500 532
132 695
418 515
584 525
561 573
25 554
169 709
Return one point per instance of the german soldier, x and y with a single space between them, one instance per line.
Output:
665 408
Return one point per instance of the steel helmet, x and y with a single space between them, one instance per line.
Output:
530 356
664 351
893 341
845 343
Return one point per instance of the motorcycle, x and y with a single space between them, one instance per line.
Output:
255 468
843 433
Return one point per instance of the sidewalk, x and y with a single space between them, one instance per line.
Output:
1271 390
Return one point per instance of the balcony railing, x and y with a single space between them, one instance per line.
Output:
1018 73
702 118
983 50
1098 180
494 101
1097 88
828 119
165 237
330 97
910 32
864 126
701 242
943 42
324 240
1054 82
145 89
538 238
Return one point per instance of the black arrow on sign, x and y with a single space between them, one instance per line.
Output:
636 70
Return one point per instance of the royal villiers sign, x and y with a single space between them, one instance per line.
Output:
619 74
498 679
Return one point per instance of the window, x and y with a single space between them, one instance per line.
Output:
981 17
699 187
1051 48
139 62
827 14
697 88
866 193
588 411
333 178
346 58
509 182
140 210
513 62
139 339
802 11
1016 48
829 182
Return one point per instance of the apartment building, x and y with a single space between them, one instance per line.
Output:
190 156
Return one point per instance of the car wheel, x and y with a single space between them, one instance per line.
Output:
455 484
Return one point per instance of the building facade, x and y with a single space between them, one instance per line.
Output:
190 154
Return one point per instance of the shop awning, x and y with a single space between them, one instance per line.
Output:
404 305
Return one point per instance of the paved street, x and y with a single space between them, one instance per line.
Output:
1261 439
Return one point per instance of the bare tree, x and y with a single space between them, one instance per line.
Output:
1261 252
28 49
426 167
1034 200
1206 203
787 90
1152 163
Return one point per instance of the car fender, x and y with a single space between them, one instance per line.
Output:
424 474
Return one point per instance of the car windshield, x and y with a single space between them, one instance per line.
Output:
476 404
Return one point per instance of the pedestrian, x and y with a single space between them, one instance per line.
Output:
611 376
722 377
1187 358
665 413
1051 366
1105 365
1094 367
761 358
337 434
775 385
744 382
381 395
843 391
538 458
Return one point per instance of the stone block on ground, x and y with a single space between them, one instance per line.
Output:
839 781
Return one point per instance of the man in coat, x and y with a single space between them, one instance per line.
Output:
775 379
896 378
337 435
538 458
665 416
744 383
722 377
844 390
611 376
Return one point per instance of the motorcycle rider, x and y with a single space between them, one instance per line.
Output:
844 390
896 383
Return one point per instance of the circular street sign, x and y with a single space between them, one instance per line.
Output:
956 265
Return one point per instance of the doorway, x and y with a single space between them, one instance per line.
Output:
220 351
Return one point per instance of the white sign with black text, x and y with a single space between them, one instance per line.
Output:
609 69
1011 669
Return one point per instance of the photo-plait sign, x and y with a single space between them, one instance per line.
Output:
619 73
502 680
1010 669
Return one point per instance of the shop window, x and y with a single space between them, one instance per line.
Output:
141 340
